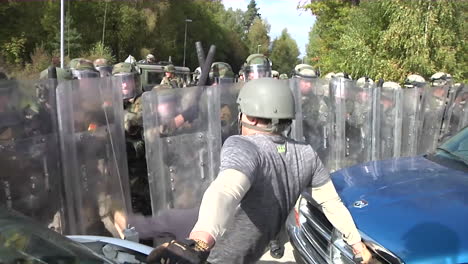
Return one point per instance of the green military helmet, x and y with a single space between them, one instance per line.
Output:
62 74
304 71
126 74
390 86
83 68
101 62
169 68
267 98
81 64
283 76
329 76
365 82
275 74
439 78
257 66
123 68
343 75
221 70
414 80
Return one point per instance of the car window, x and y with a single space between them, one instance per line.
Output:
154 78
21 241
456 147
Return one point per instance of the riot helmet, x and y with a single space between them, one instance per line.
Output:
257 66
270 99
365 82
103 67
414 80
221 71
83 69
388 88
305 74
283 76
329 76
275 74
343 75
127 75
439 78
304 71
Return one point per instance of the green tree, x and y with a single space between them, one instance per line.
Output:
72 39
389 39
258 35
250 15
284 52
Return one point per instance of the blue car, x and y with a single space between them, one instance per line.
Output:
409 210
24 241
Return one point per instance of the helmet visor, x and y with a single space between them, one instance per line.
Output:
257 71
128 86
85 74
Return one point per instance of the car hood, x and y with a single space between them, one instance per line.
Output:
415 208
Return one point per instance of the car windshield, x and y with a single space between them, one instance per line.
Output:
154 78
22 241
456 148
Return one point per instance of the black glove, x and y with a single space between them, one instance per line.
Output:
179 252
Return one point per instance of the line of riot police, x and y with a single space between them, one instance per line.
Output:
75 151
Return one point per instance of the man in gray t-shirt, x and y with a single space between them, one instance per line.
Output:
262 175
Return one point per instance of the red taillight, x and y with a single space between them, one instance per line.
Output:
296 216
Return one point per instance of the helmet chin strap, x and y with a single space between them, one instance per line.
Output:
272 128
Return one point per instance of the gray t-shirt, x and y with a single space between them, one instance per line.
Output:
279 169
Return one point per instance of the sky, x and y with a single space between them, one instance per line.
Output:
281 14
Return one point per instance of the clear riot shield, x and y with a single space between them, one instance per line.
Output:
410 121
358 122
387 124
339 90
31 181
456 117
90 115
182 157
312 123
229 110
432 113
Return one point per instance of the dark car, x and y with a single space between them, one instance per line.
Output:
24 241
408 210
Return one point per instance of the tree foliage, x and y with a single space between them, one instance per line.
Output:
284 52
250 15
133 27
259 35
389 39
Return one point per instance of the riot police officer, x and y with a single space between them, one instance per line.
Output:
257 66
127 77
315 109
103 67
83 68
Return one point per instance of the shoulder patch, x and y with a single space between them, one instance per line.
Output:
281 148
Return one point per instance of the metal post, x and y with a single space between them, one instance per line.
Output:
185 38
258 48
62 15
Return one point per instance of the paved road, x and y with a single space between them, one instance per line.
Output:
288 257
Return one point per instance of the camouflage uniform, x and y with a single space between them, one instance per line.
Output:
359 110
135 145
174 81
